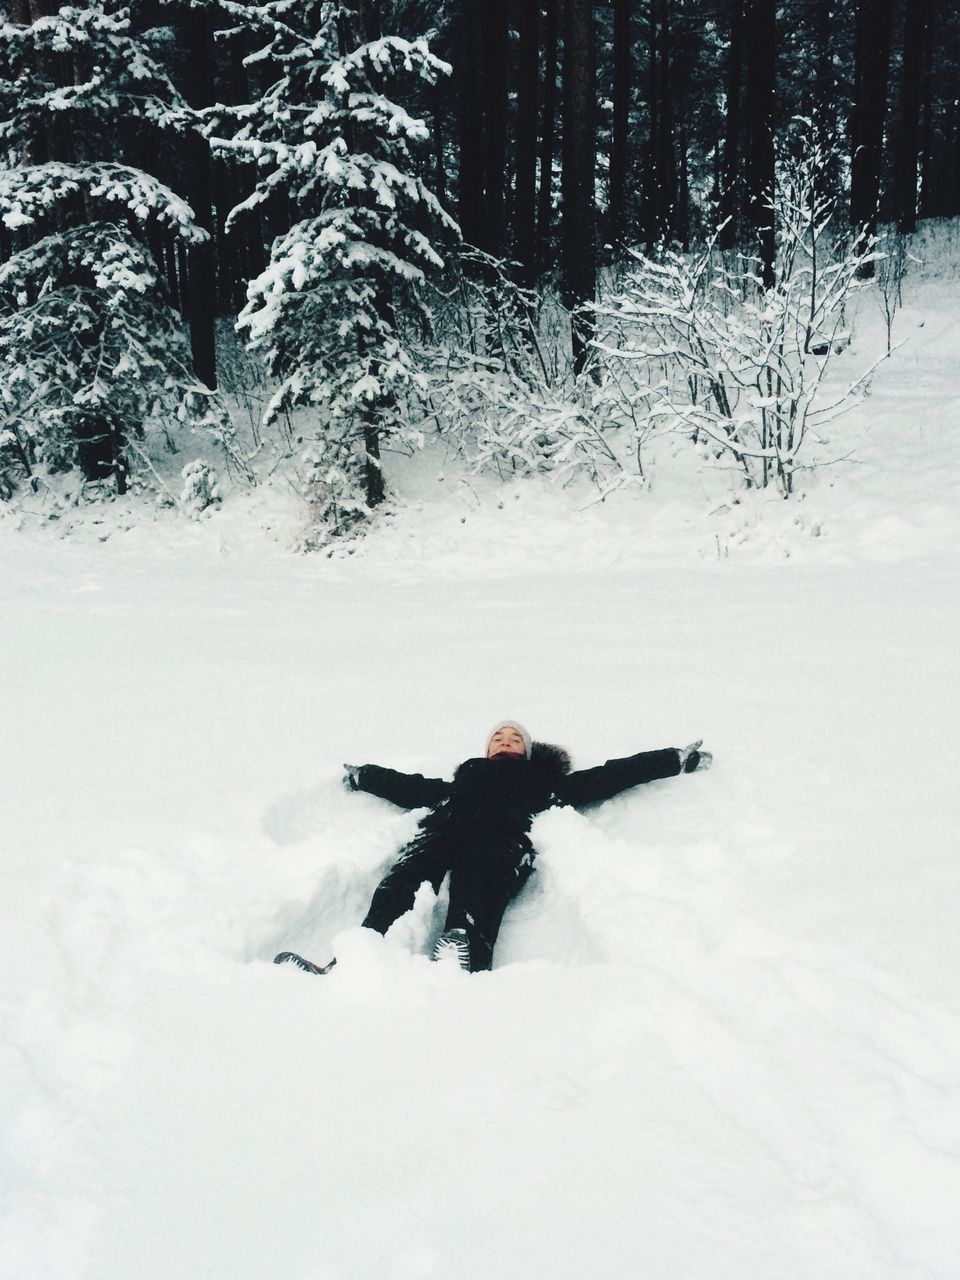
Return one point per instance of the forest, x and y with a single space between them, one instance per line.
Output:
296 238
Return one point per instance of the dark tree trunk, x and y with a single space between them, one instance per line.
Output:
174 270
760 109
246 248
949 187
826 123
240 252
683 196
871 70
525 202
622 77
650 202
495 30
470 200
37 149
825 85
579 166
665 167
372 469
201 288
439 129
927 160
201 269
547 135
729 211
915 25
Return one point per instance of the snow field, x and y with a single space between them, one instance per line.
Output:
723 1038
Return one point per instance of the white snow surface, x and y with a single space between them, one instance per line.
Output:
722 1037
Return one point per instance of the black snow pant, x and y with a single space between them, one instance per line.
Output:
486 870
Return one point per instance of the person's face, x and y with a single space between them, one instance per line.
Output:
506 742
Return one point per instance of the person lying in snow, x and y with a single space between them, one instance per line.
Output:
478 825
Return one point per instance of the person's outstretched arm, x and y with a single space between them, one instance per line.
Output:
408 790
592 786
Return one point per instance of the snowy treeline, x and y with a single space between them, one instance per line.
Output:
144 146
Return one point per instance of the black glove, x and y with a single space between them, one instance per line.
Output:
692 758
351 778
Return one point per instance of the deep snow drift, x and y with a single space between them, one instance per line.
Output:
722 1041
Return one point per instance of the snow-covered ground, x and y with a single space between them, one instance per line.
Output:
722 1041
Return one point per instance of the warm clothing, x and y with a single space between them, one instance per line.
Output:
508 791
477 829
485 873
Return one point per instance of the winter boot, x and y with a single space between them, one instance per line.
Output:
291 957
455 943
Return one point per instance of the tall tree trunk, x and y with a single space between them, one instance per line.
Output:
949 197
927 93
579 166
665 164
469 30
824 89
495 30
622 77
247 246
825 121
525 203
871 71
36 150
682 222
547 135
201 290
175 262
729 210
760 110
908 135
651 202
439 97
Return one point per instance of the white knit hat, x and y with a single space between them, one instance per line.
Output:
512 724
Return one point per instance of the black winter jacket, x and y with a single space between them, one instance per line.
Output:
503 795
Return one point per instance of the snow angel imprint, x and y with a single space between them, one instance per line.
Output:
478 830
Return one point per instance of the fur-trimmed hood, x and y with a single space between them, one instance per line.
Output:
550 758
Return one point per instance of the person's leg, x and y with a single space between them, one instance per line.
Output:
483 880
421 860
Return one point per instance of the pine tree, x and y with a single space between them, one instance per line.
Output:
333 310
91 354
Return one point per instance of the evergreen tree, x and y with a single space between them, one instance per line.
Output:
332 311
91 354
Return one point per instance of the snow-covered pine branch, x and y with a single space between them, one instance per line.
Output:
115 75
32 195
